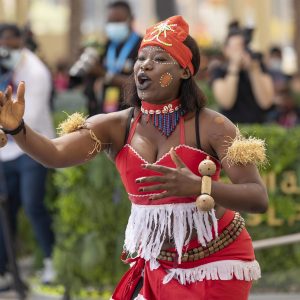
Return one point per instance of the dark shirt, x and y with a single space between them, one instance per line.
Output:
245 108
126 70
98 103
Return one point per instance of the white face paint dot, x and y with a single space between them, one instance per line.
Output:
155 49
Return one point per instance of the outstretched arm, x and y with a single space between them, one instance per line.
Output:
72 149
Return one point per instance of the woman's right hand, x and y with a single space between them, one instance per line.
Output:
12 111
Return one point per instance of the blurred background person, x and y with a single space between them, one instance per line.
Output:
25 178
104 77
274 65
61 77
241 86
29 38
286 112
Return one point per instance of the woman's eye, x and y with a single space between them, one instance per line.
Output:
159 59
141 58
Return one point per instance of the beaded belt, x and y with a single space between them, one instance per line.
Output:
228 235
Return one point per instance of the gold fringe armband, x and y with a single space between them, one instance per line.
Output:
245 151
75 122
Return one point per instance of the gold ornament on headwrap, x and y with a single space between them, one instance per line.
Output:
162 27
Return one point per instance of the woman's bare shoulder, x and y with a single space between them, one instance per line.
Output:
218 128
216 122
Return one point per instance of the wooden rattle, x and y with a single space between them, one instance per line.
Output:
3 138
205 201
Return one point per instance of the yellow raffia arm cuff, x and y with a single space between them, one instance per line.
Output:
245 151
72 123
75 122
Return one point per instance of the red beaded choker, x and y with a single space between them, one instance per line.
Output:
165 117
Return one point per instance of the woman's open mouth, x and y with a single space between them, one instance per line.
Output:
143 81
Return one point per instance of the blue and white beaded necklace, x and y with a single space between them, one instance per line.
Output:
164 117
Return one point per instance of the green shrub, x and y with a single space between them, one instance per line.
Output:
92 212
279 264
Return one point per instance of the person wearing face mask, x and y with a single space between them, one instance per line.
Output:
280 80
25 178
116 63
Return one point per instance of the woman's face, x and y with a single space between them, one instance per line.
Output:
157 75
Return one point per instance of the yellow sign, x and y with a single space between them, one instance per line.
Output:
288 185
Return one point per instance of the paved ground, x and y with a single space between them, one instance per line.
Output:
26 269
275 297
13 296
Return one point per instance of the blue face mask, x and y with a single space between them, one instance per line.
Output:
117 31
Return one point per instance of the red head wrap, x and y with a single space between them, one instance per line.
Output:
169 35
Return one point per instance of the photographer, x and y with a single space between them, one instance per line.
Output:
104 77
241 87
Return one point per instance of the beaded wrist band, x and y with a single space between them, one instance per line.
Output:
17 130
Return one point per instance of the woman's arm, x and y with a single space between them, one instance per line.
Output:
247 191
262 86
225 90
73 148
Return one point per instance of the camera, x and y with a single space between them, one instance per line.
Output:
248 34
87 59
234 28
255 54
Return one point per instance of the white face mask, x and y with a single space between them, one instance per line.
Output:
117 31
275 64
12 60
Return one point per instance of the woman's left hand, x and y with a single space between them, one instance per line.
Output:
179 181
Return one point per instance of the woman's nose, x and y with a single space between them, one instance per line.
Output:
147 64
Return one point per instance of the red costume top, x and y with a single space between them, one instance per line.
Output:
128 163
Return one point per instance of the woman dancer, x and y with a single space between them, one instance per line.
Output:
183 248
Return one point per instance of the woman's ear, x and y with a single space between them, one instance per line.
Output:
186 73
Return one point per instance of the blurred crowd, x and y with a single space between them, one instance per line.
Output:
246 86
251 87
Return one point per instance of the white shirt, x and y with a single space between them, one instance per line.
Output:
38 86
